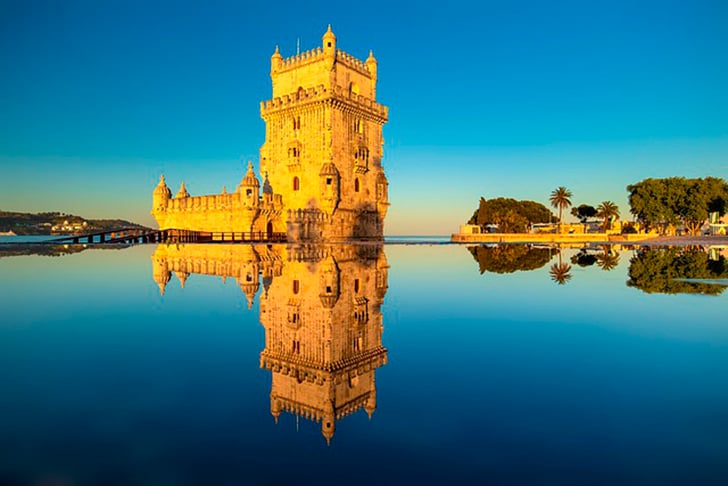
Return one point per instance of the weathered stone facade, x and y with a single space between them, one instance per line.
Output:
321 160
321 310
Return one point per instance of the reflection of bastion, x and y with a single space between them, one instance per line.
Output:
321 309
321 161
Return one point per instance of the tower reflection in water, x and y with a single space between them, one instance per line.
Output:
321 310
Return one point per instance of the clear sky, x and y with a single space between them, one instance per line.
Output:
488 98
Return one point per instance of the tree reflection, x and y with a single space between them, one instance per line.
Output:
605 258
560 273
510 258
676 271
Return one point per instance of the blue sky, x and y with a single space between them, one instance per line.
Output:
486 98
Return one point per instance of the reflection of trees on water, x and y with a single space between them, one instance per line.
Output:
665 270
510 258
46 249
605 258
560 273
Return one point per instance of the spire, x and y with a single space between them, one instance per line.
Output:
182 191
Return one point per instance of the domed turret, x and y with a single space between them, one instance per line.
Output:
160 273
371 404
250 187
275 61
160 196
182 192
328 422
329 41
371 64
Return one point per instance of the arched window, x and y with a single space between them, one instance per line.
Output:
296 286
297 184
296 122
356 285
356 185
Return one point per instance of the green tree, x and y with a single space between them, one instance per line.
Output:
560 199
510 215
665 203
583 212
607 210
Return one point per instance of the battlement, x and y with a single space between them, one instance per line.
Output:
220 202
318 54
352 62
307 57
320 93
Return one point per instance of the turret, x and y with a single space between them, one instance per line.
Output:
182 192
371 64
329 181
371 404
382 187
160 196
250 188
160 272
275 61
328 422
329 42
182 277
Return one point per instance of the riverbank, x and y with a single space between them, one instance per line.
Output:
560 238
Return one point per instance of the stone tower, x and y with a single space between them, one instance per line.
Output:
323 144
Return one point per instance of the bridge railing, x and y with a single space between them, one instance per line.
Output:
144 235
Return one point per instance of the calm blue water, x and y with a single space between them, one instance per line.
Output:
505 376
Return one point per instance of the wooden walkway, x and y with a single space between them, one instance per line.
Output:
131 236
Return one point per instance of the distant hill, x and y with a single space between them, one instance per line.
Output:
57 223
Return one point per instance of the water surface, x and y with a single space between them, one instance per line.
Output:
436 363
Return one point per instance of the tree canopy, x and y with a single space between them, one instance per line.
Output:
661 203
510 215
583 212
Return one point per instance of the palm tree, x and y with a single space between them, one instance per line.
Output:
607 210
560 200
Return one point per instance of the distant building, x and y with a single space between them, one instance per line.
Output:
321 162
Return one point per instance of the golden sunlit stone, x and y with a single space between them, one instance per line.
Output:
321 161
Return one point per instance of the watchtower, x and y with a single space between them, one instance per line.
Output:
323 144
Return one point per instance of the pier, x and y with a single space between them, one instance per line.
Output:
132 236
